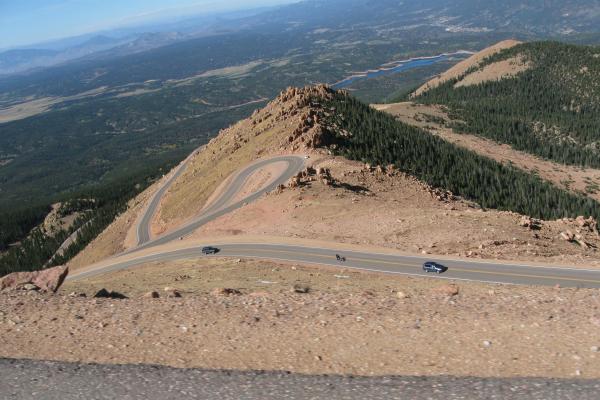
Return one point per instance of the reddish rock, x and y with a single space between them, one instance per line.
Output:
48 280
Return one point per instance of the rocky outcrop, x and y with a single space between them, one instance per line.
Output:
307 176
324 175
48 280
301 105
575 238
442 195
294 182
531 223
579 230
590 223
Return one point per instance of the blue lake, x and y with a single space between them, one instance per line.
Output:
398 66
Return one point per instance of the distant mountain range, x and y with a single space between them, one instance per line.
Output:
535 18
20 60
122 41
138 96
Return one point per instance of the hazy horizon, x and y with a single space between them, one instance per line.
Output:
32 22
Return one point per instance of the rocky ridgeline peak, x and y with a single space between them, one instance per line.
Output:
301 97
294 118
300 108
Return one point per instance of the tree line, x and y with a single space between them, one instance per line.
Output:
552 109
379 139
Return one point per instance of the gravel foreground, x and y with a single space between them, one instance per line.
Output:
27 379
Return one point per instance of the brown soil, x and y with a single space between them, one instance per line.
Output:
348 323
575 179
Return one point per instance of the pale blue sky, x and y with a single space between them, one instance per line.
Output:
25 22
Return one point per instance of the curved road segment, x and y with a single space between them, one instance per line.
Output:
220 206
360 260
143 227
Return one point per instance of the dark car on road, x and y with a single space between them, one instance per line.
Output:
434 267
209 250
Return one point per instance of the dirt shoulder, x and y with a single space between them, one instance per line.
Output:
573 178
348 323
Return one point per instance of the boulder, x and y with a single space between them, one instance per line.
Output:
152 295
48 280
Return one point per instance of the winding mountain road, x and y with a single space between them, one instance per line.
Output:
221 206
143 226
156 250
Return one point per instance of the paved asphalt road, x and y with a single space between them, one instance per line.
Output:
221 205
398 264
22 379
143 227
